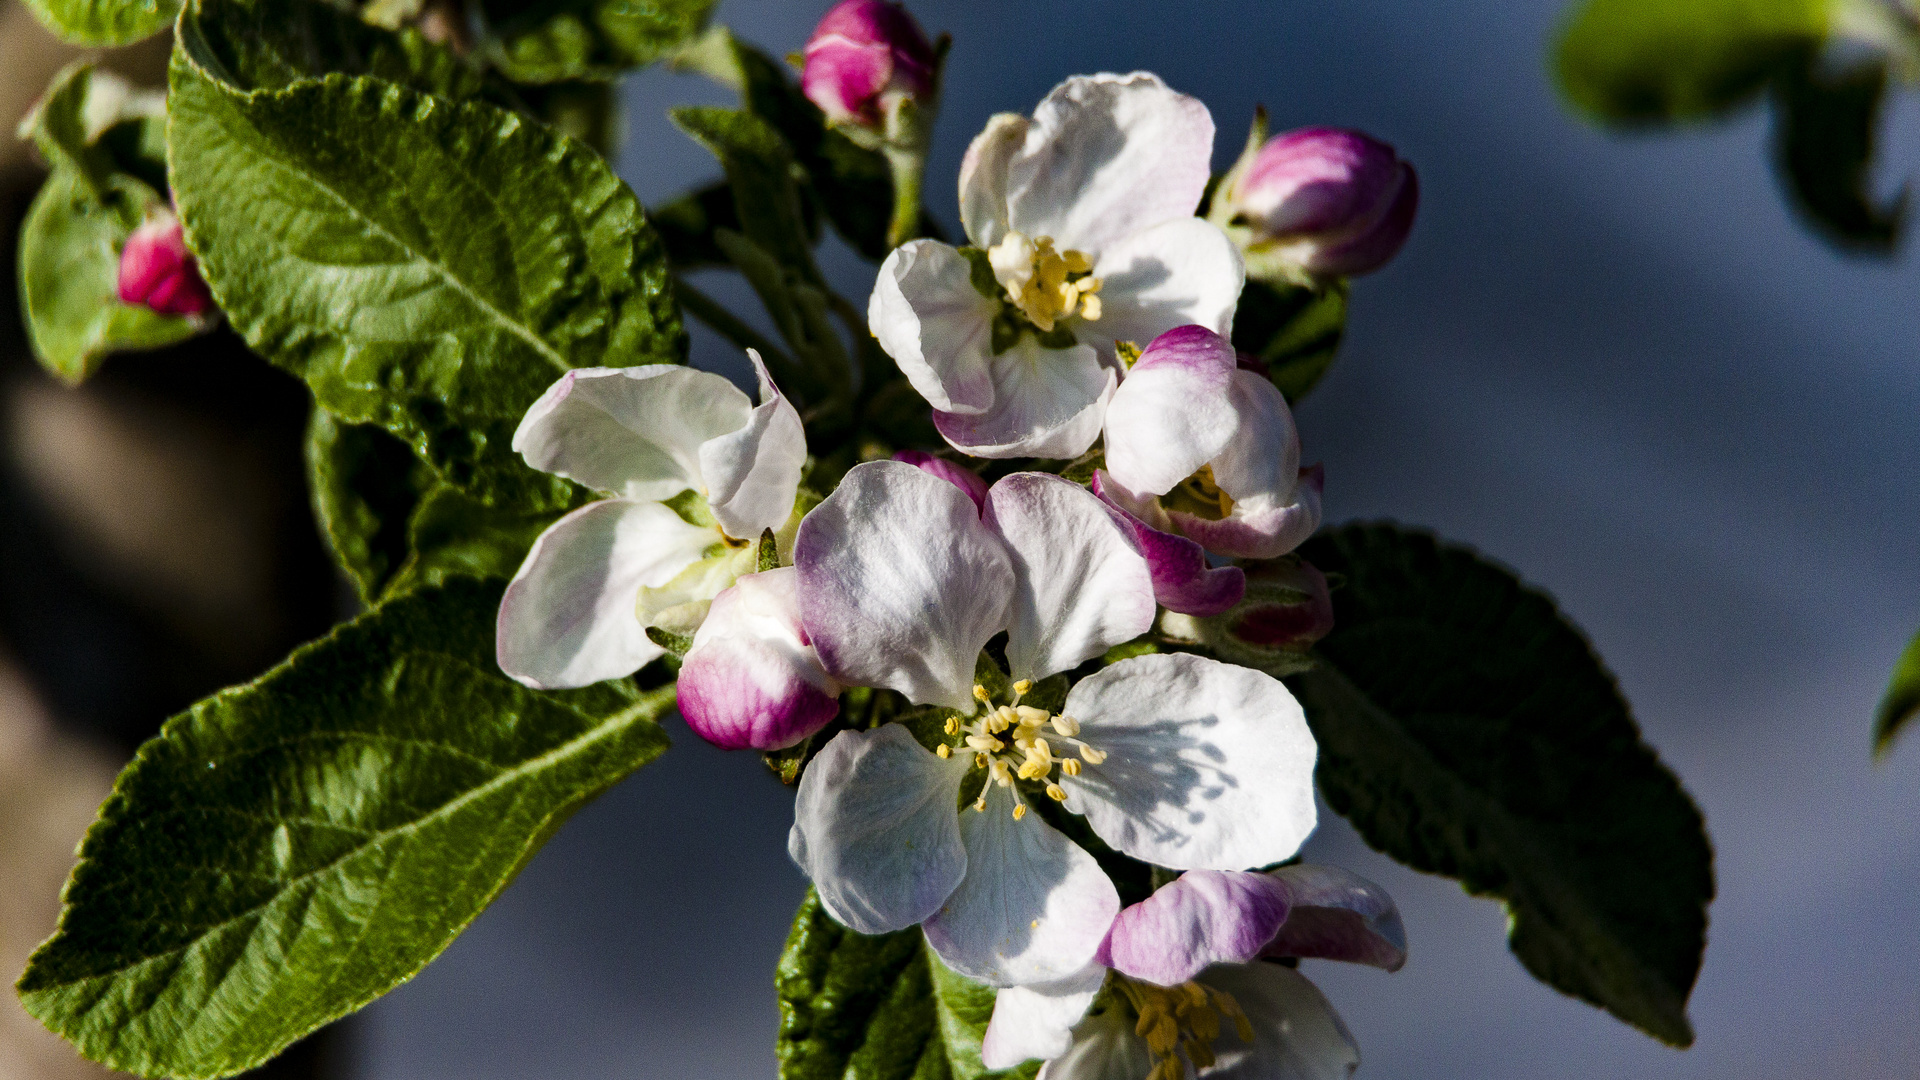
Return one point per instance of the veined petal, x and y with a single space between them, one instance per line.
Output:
1296 1034
874 826
751 679
1178 273
1104 1048
1338 915
1106 156
635 432
1082 585
1037 1021
1182 580
1046 403
928 316
1174 413
752 473
1033 906
901 584
567 618
1204 917
1208 766
983 177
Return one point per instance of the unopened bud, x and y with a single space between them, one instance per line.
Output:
1324 201
864 57
1286 609
157 270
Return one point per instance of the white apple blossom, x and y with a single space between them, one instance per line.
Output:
577 611
1082 231
1174 759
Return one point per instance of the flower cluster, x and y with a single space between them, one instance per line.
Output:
1030 712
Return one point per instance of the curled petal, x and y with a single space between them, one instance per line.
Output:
958 475
567 618
874 827
1178 273
1082 585
1046 403
1208 766
1037 1021
751 680
752 473
937 327
1182 580
1033 906
1296 1033
901 584
1275 506
1108 156
1104 1048
1338 915
635 432
1175 411
1204 917
983 178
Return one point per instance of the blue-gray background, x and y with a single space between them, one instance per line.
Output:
1617 364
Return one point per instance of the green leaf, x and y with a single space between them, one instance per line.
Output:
759 169
427 265
1826 120
1626 61
287 851
1468 729
876 1008
1294 330
104 22
80 106
1902 700
272 44
70 276
543 41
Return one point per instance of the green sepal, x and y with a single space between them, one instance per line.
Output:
1902 700
673 641
1295 330
769 553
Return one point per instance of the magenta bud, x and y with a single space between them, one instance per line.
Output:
157 270
862 52
1331 201
1287 607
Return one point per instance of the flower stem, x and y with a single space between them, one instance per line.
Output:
909 166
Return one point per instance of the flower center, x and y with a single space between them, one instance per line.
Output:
1044 284
1184 1019
1200 496
1010 741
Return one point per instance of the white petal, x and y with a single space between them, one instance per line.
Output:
751 680
1083 586
633 431
753 473
1033 906
1104 1048
1174 413
1037 1021
1263 460
1296 1034
983 178
1046 403
567 619
1180 273
874 826
1209 766
928 316
900 583
1107 156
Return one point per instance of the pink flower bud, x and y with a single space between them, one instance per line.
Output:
1287 607
862 51
1332 201
158 271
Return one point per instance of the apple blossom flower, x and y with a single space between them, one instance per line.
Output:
1319 202
1190 987
751 680
578 610
1081 221
1174 759
864 57
157 271
1199 448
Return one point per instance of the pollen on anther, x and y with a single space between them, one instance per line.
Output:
953 725
1023 686
1070 766
945 751
980 692
1056 793
1019 811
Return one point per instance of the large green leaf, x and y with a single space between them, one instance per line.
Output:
1826 119
543 41
1902 701
854 1007
105 22
424 264
287 851
1467 729
1294 330
271 44
1648 60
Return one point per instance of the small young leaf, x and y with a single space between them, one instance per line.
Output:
1295 331
1628 61
1467 729
104 22
1826 120
759 169
877 1008
1902 701
545 41
287 851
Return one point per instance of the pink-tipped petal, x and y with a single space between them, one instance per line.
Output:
1182 580
860 49
158 272
1277 615
952 472
1175 411
1204 917
1337 915
751 679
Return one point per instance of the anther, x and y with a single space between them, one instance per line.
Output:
1023 686
1091 756
945 751
1019 811
1056 793
980 692
953 725
1066 725
1071 767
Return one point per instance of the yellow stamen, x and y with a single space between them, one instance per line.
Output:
980 693
953 725
1070 766
1021 688
945 751
1044 284
1065 725
1091 756
1056 793
1019 811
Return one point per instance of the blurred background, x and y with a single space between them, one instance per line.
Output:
1616 364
